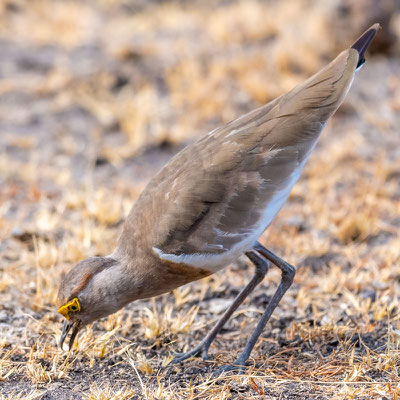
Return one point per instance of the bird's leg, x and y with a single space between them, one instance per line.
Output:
288 273
261 268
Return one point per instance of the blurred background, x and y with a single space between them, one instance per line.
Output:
105 81
95 96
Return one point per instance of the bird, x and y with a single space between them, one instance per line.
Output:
209 205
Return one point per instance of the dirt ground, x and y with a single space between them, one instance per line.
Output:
95 96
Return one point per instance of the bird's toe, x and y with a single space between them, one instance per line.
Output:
179 357
240 367
205 356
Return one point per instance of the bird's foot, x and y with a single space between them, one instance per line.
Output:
201 348
238 365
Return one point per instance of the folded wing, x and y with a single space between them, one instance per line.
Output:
219 194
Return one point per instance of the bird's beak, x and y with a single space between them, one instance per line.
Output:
66 328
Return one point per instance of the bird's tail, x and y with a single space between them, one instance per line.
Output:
309 105
363 42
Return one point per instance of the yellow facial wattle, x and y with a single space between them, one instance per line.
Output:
72 306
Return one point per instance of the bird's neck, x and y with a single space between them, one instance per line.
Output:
117 284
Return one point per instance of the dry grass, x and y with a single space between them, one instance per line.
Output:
94 98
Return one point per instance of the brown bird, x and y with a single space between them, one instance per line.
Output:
210 204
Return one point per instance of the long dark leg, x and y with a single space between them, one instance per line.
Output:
288 273
261 268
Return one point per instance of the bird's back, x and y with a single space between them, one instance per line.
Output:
214 199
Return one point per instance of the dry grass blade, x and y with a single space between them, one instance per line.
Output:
107 392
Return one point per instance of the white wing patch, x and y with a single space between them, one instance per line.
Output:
208 261
229 234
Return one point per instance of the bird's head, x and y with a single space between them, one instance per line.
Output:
84 294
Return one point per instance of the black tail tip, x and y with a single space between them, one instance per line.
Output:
363 42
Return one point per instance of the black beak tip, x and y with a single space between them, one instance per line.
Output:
364 41
65 330
73 336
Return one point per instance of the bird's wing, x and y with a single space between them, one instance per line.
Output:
229 183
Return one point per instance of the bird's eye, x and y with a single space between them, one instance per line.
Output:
72 306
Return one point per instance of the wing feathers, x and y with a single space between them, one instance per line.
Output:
227 187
